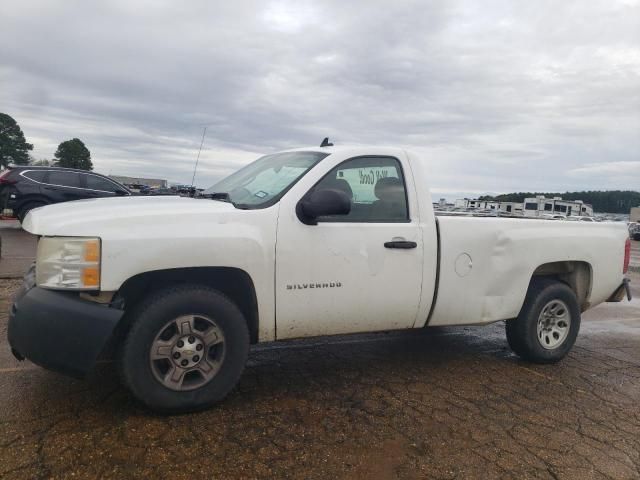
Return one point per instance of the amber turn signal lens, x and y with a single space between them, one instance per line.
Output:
92 251
90 277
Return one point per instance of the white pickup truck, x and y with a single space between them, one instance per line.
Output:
307 242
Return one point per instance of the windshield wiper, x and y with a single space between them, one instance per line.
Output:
222 196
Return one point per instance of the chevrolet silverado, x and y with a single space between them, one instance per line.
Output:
314 241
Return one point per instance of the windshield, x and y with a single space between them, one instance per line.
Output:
263 182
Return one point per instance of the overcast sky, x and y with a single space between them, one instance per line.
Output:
498 95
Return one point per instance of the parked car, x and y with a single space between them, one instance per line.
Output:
187 191
138 188
162 191
23 188
318 241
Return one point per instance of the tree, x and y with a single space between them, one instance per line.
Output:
13 146
73 154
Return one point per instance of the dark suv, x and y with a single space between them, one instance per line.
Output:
23 188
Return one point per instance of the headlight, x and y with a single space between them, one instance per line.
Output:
68 263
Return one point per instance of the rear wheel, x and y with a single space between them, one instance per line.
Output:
22 213
186 349
548 324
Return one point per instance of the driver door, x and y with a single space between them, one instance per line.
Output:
344 274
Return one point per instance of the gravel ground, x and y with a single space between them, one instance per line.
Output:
440 403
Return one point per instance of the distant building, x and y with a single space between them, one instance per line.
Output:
532 207
442 205
469 203
149 182
511 207
634 215
537 206
476 204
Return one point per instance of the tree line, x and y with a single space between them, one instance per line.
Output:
607 201
14 149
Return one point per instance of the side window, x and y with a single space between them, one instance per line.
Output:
98 183
376 187
37 175
64 179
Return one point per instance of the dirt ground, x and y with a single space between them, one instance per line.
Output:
440 403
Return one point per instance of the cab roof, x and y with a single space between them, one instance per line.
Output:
353 150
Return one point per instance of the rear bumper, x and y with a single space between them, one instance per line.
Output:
620 292
58 330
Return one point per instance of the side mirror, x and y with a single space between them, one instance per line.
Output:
121 193
321 203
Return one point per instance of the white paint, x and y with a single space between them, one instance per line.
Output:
141 234
379 288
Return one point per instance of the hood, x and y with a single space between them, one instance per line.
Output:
93 216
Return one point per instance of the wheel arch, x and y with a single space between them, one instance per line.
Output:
235 283
576 274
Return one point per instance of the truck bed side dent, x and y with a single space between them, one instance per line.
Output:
504 255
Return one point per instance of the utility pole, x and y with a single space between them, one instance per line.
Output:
193 179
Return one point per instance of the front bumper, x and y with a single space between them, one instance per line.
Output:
620 292
58 330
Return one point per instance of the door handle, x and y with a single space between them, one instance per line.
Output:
404 244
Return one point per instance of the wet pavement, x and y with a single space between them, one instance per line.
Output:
439 403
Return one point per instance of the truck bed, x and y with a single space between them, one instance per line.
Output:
486 263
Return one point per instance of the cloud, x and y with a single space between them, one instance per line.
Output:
498 96
610 168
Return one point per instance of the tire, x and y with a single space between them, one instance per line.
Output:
160 323
22 213
551 303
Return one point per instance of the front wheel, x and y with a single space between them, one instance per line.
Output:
548 324
186 349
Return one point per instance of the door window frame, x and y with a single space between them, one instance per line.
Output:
346 219
83 181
